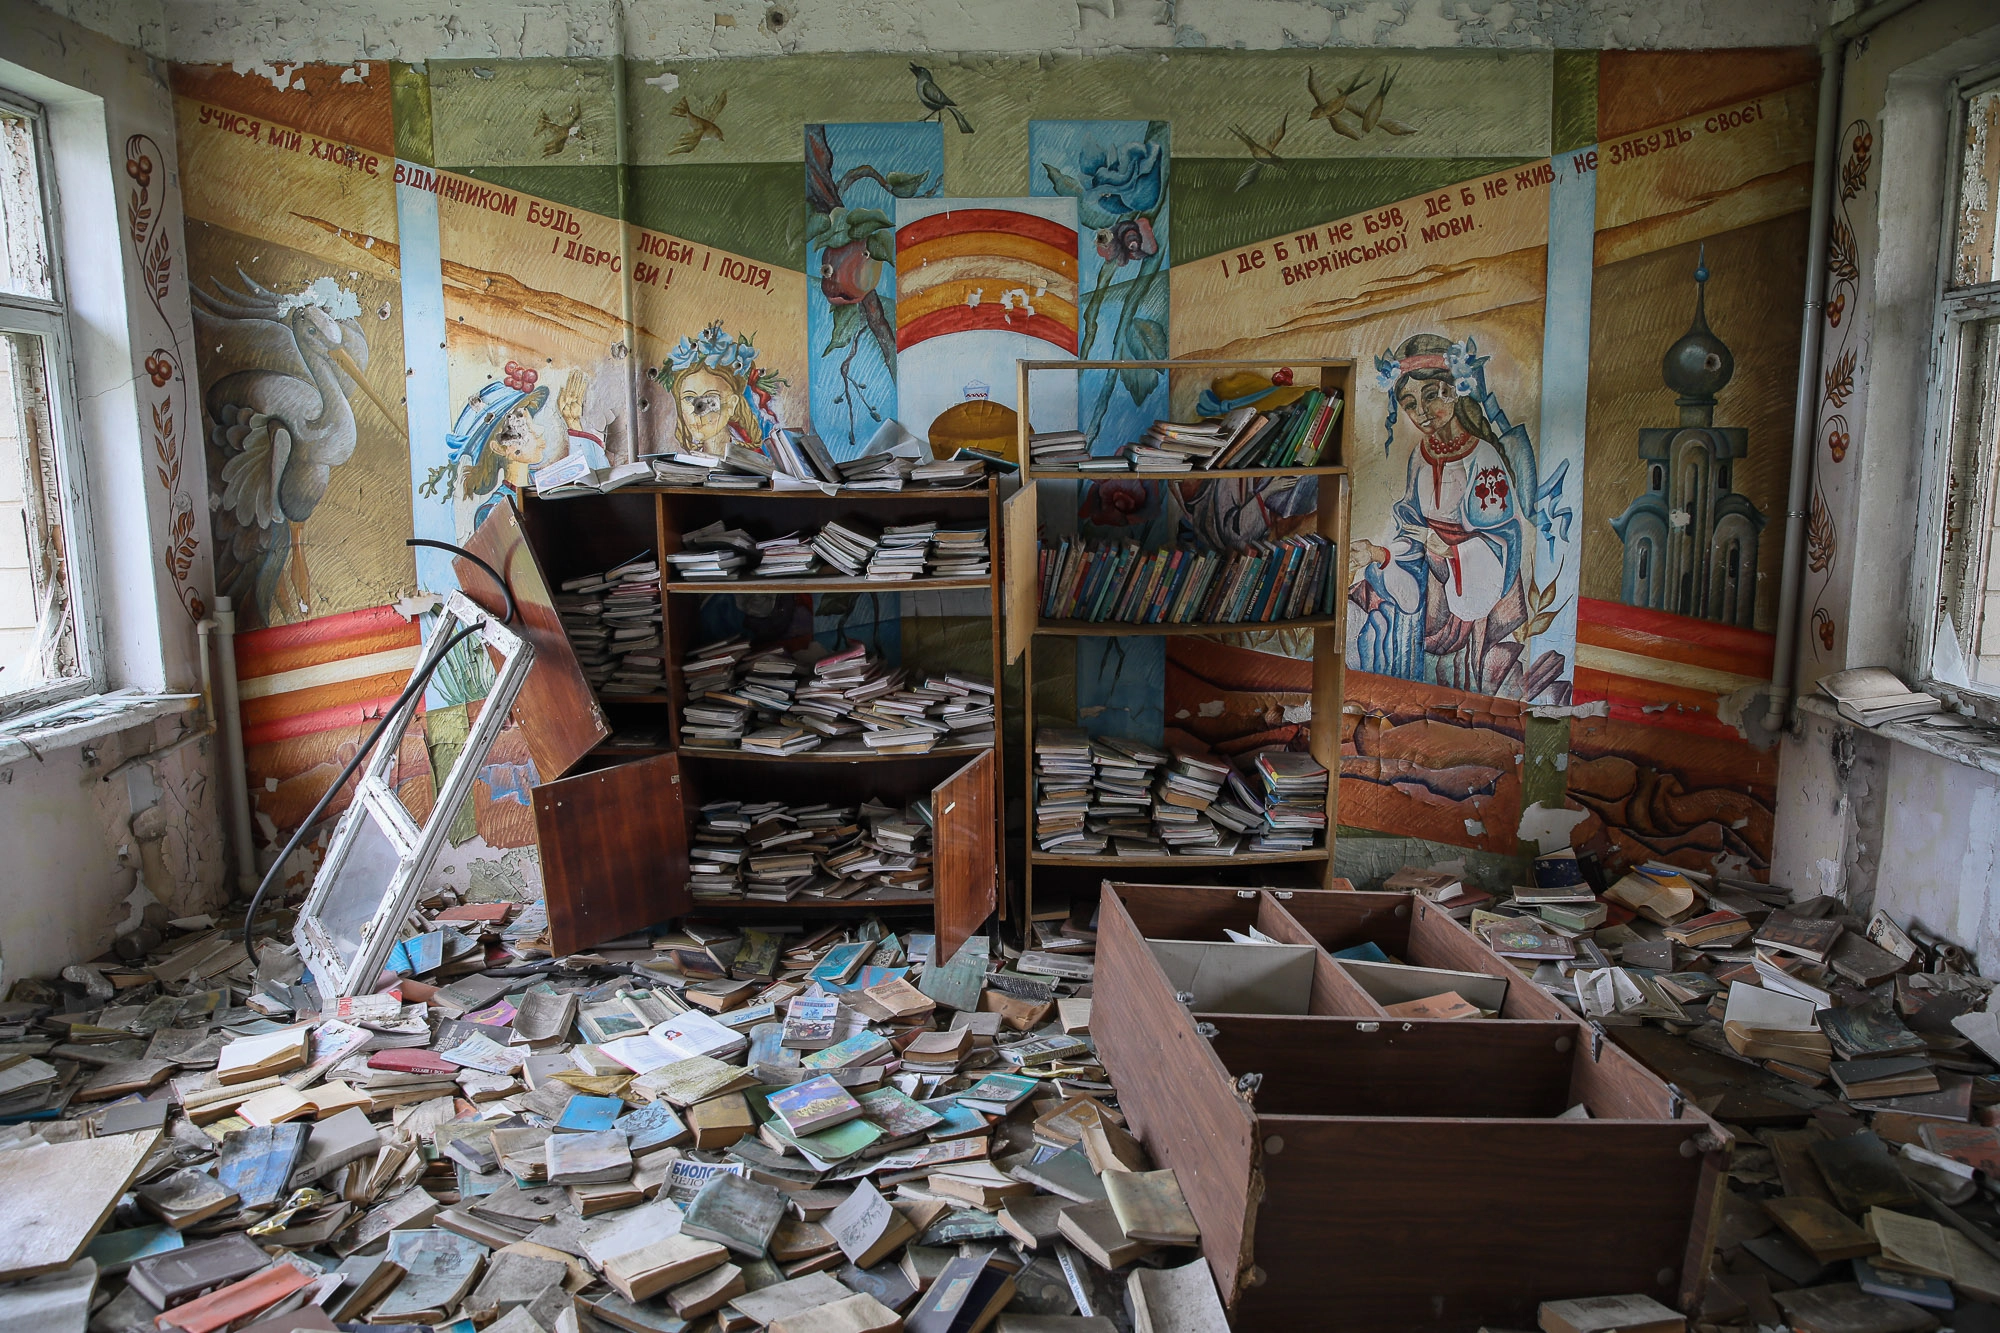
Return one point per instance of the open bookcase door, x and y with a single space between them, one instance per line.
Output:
614 851
963 855
1020 589
557 710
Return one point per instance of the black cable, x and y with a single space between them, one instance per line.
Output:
425 670
505 591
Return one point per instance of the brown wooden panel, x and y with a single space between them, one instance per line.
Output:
1186 911
1019 546
556 710
1438 941
1440 1226
1180 1100
964 834
1366 1067
1341 920
614 851
1334 991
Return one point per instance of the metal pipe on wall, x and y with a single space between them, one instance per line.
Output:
1832 56
231 717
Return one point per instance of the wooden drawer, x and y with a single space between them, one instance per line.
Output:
1354 1171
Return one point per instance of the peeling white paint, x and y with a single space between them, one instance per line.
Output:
1298 714
1556 712
666 81
347 31
281 79
1475 828
1549 827
1210 708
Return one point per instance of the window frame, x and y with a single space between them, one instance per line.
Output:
48 321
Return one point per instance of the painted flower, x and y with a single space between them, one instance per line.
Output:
1116 504
1121 181
1128 238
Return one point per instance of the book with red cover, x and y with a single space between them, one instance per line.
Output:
412 1060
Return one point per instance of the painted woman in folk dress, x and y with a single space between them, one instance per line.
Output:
1441 598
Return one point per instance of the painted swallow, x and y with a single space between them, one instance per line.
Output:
1261 154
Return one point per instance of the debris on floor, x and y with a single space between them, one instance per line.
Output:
1853 1061
807 1129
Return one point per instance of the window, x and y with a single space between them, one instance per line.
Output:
46 648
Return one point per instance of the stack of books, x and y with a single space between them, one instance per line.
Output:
1294 799
769 851
1179 446
1122 581
848 703
684 468
959 553
1054 449
844 548
613 623
1122 797
848 547
713 554
1295 435
899 552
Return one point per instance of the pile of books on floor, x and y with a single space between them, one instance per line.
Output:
770 701
613 622
768 851
843 548
1104 581
1110 794
803 1128
795 460
1294 436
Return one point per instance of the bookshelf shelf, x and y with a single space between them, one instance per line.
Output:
1198 474
1240 859
811 904
820 756
908 495
1112 629
1024 625
634 808
684 587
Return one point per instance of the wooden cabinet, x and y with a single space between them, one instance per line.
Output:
614 813
1023 520
1402 1176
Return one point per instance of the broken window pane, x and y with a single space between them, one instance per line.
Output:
24 234
1971 573
37 639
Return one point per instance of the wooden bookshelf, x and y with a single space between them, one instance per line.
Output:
1020 596
645 799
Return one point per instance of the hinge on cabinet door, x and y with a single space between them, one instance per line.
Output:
1247 1086
1246 893
1676 1101
1597 1036
1185 998
1207 1031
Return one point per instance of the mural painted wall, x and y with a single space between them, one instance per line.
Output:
1561 278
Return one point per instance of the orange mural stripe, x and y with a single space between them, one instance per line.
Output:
264 652
365 712
911 259
951 295
1636 700
958 319
1046 230
298 702
1680 639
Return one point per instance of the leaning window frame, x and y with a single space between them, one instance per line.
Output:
1953 313
48 320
